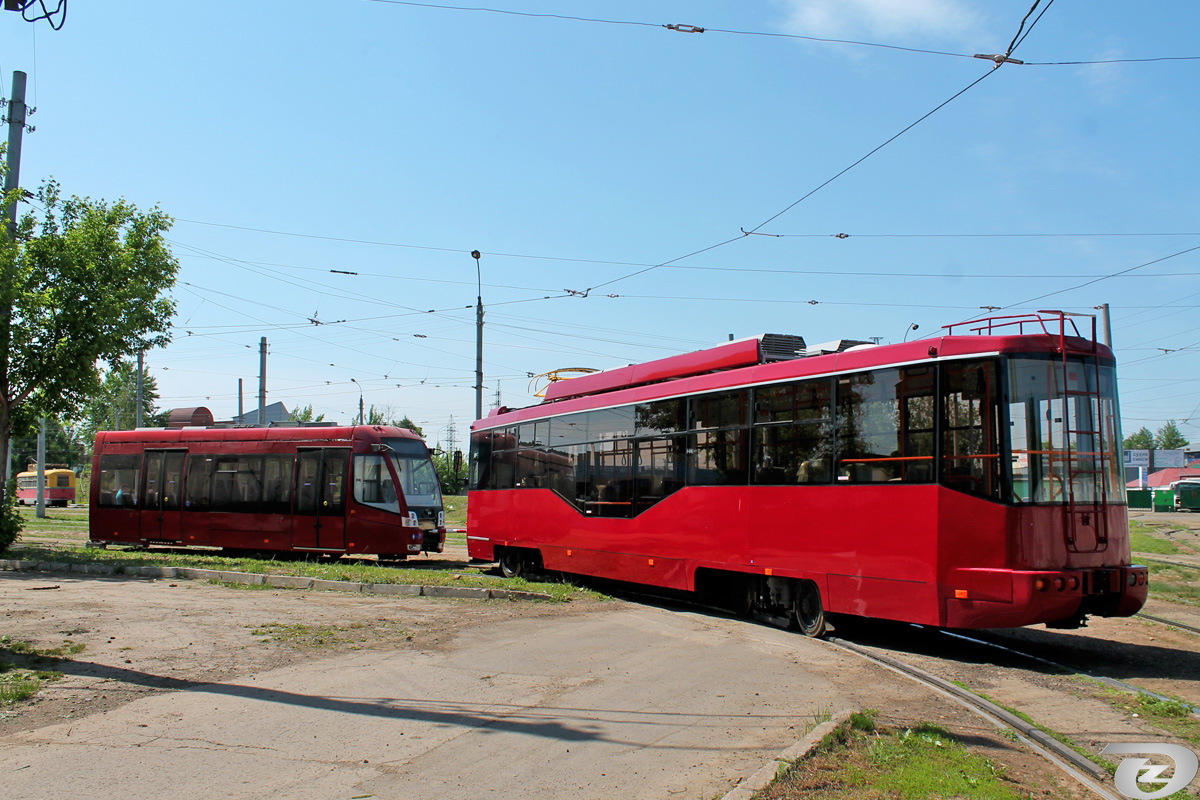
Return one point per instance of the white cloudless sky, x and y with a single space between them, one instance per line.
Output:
389 140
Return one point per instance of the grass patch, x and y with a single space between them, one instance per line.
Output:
455 506
1147 543
1174 583
299 635
25 676
875 763
352 570
1171 715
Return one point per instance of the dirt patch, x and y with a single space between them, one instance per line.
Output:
146 636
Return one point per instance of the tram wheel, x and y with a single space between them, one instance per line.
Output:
810 614
512 563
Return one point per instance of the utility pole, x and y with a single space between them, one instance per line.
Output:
1105 324
41 471
16 127
262 381
137 414
478 337
12 179
240 411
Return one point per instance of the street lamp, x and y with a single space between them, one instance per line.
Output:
360 400
909 330
478 337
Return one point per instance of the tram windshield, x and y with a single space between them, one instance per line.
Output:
1064 432
414 469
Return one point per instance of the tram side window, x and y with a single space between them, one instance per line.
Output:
277 484
660 418
793 436
198 495
373 483
481 460
608 491
661 469
971 428
119 480
333 497
885 426
237 484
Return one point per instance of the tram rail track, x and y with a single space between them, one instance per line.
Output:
1082 769
1068 760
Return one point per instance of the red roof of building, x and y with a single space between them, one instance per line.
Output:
1165 477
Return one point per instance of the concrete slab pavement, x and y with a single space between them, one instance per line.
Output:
634 703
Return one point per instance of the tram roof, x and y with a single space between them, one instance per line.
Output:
745 362
274 433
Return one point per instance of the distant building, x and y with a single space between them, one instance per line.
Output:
274 413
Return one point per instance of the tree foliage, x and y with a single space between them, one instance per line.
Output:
1169 437
114 405
65 444
82 283
452 480
305 415
1142 440
10 519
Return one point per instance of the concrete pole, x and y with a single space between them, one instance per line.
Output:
138 420
1107 324
262 381
41 471
240 411
478 337
16 127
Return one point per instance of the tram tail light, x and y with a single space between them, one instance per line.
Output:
1040 584
1059 583
960 594
1073 583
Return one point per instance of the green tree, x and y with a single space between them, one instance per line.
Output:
412 426
65 444
452 481
1169 437
82 282
112 407
1142 440
305 415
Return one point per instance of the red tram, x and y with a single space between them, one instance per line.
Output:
329 490
967 481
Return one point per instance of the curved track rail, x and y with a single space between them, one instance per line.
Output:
1081 769
1171 622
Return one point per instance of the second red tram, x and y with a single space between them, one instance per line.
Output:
326 490
967 481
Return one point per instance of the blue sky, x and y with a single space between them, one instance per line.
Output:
289 139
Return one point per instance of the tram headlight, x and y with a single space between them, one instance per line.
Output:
1133 579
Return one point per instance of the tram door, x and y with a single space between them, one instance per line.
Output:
162 493
320 519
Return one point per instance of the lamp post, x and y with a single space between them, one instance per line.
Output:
478 337
360 400
909 330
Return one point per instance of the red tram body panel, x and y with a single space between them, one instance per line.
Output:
327 490
966 481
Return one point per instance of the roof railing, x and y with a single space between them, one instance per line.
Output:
1051 323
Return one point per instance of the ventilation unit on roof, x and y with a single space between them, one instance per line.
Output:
781 346
836 346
